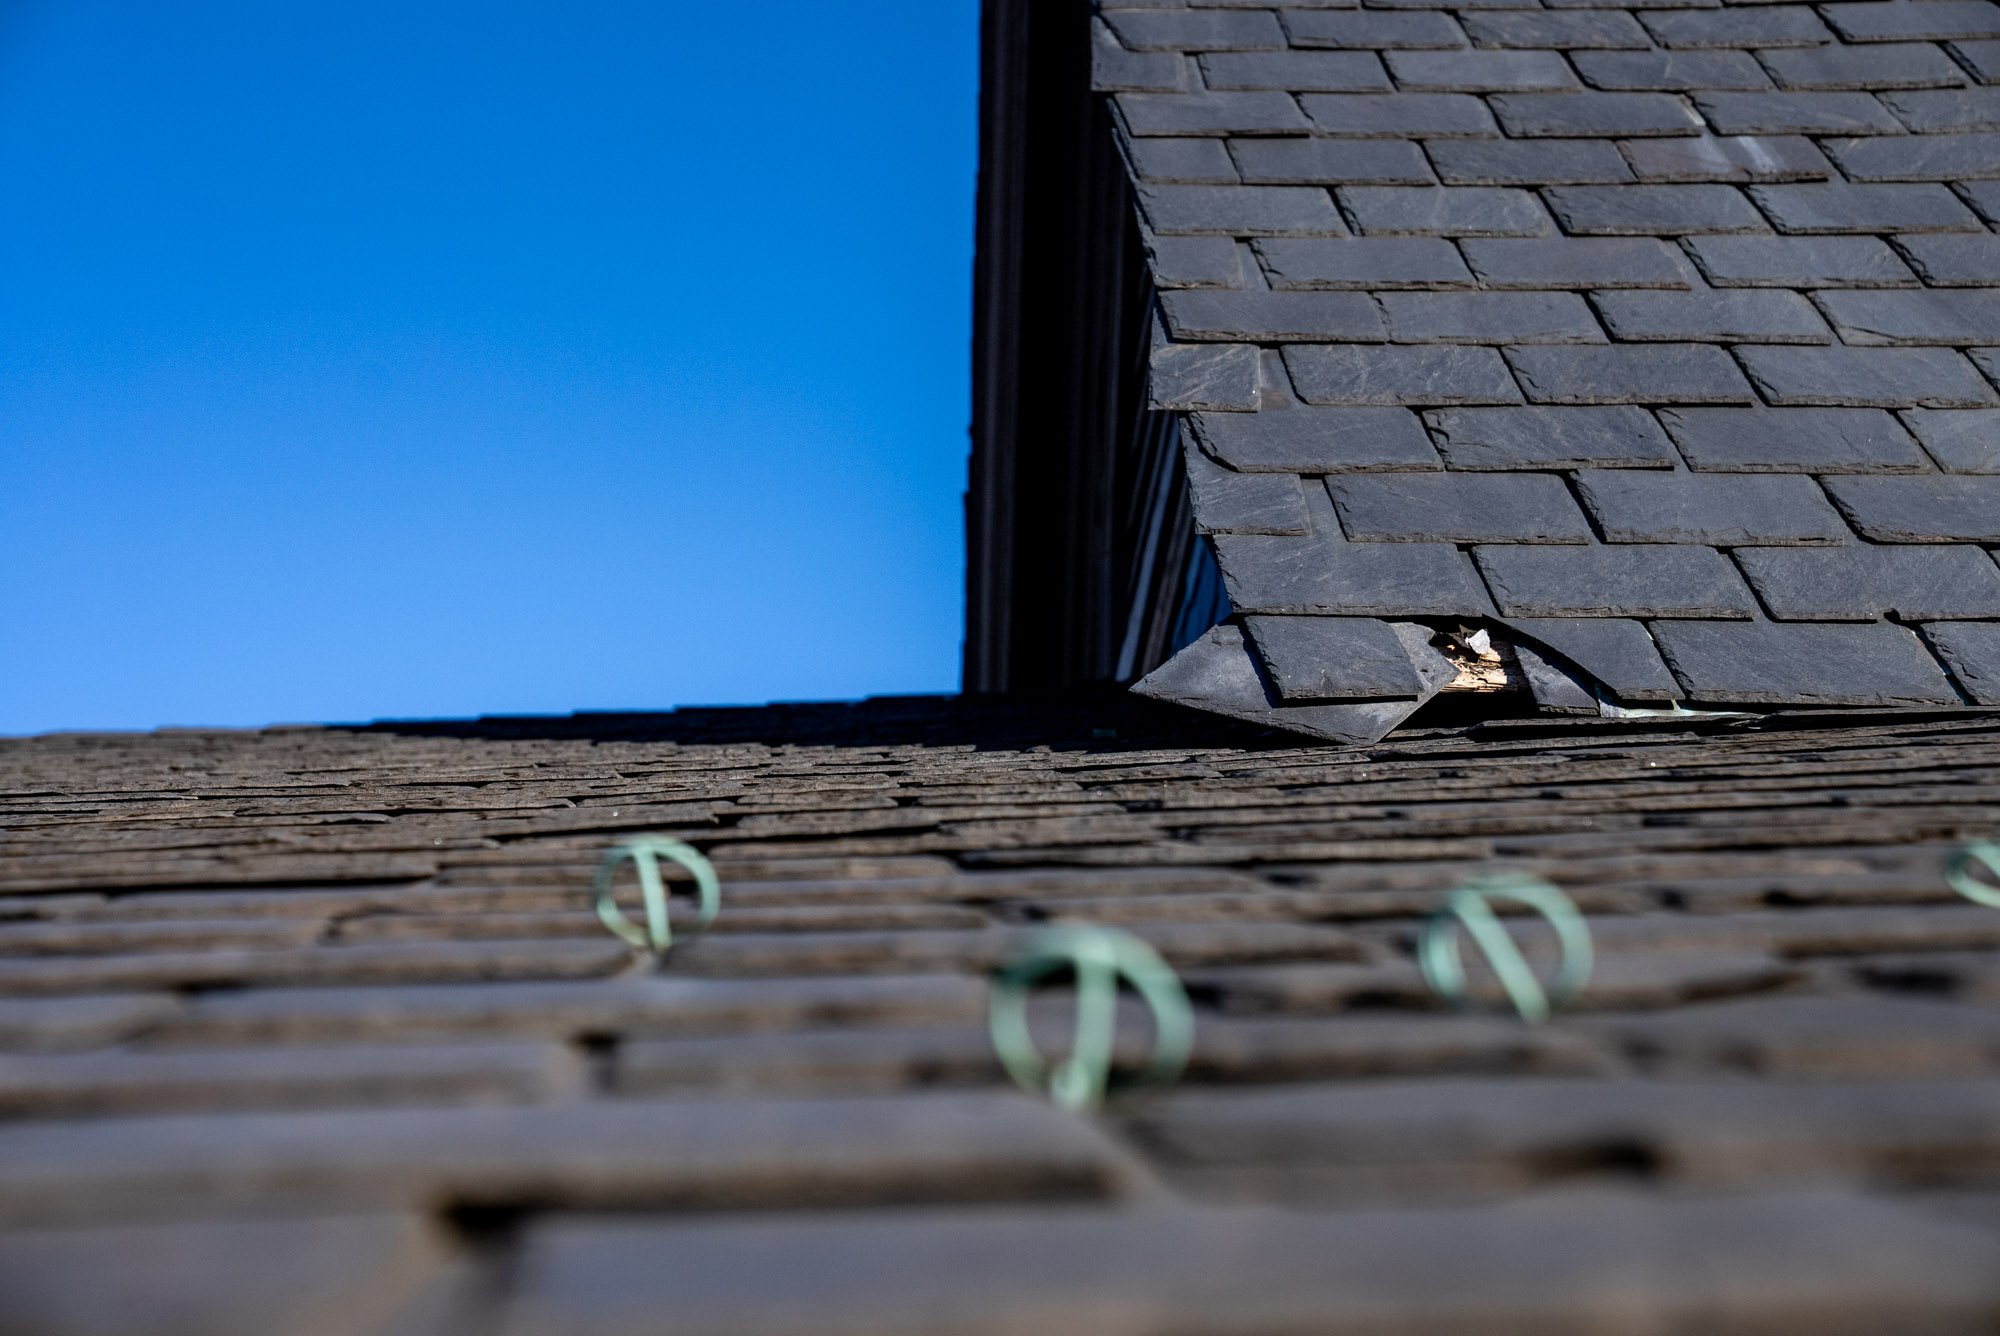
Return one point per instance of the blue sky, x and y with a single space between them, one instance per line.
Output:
385 360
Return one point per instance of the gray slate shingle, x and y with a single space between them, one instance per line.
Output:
1549 438
1770 662
1457 508
1948 509
1637 507
1626 580
1866 377
1866 581
1962 440
1799 262
1400 375
1792 440
1688 373
1727 316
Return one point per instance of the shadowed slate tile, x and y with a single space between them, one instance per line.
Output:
1433 115
1489 317
1745 158
1241 211
1659 373
1777 1261
1320 28
1457 508
1529 162
1972 650
1445 211
1936 111
1635 507
1365 262
1619 581
1543 115
1226 501
1792 440
1272 317
1606 30
1296 71
1962 157
1478 71
1317 440
1323 574
1114 69
1921 509
1196 30
1981 56
1616 652
1402 375
1564 262
1556 687
1795 113
1669 70
1929 20
1549 438
1863 208
1211 114
1915 65
1762 25
1192 161
1325 161
1961 440
1958 317
1955 259
1768 662
1800 262
1862 582
1719 317
1867 377
1650 210
1323 658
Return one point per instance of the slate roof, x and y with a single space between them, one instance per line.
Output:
313 1031
1660 335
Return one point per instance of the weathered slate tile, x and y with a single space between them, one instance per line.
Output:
1930 157
1191 376
1368 262
1972 651
1652 210
1619 654
1943 110
1720 317
1799 262
1954 259
1457 508
1835 1038
1865 582
1584 262
1956 318
1742 158
1449 211
1961 440
1921 509
1326 658
90 939
1549 438
1404 376
1866 377
1846 113
1489 317
1631 506
1911 65
1792 440
1662 373
1755 662
1614 581
1226 501
1546 115
1323 575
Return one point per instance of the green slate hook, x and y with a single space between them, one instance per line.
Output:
1099 957
645 852
1469 906
1960 878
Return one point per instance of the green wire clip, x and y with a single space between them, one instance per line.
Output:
1976 889
645 852
1469 905
1099 957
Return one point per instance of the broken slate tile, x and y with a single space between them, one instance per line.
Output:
1770 662
1943 110
1618 653
1671 71
1549 438
1959 157
1631 506
1555 688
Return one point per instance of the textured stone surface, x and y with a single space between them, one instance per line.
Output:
1867 377
1792 440
1539 438
1921 510
1799 262
1658 373
1864 582
1961 440
1766 661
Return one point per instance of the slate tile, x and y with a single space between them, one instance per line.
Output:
1367 262
1272 317
1297 71
1372 30
1791 440
1982 57
1634 4
1670 71
45 1024
1555 115
1330 161
1774 1261
1478 71
1241 211
1537 30
1219 376
1795 113
1972 651
1954 317
1194 262
1489 317
1534 162
1638 507
1181 161
1563 262
1322 574
1863 582
1954 259
1196 30
1944 110
1445 211
1618 581
1765 662
1760 25
1618 653
1961 440
1317 440
1929 20
1866 377
1549 438
1555 686
1324 658
1457 508
1226 501
1371 115
1658 373
1211 114
1405 376
1114 69
1959 157
1863 208
1921 509
1743 158
1983 196
1799 262
1652 210
1915 65
1719 317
